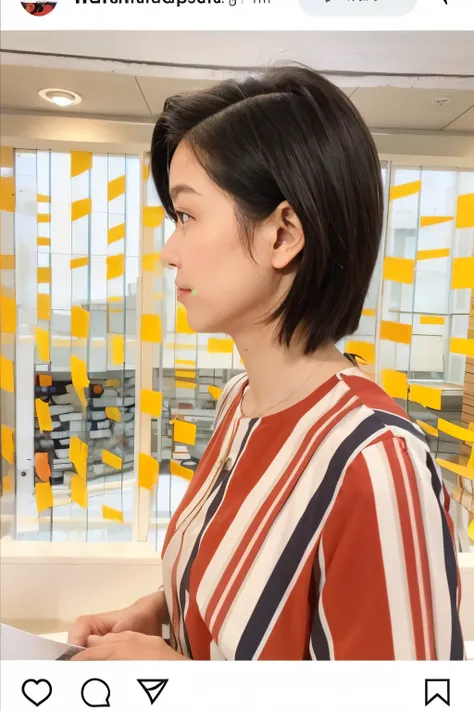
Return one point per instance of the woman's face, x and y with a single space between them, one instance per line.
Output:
223 289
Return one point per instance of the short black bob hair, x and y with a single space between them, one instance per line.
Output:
289 134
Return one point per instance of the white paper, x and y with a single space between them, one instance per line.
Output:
18 645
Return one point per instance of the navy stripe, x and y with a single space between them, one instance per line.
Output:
457 644
220 487
299 541
391 420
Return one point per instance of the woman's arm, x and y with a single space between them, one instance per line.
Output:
386 574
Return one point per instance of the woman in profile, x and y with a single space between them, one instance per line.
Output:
316 524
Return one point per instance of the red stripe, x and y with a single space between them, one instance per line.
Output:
424 568
407 533
354 596
372 395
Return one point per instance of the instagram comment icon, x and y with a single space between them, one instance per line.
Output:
95 693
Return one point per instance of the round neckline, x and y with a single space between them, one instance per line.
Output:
304 404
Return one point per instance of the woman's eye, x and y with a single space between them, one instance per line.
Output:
183 217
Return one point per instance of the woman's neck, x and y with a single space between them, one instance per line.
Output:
278 373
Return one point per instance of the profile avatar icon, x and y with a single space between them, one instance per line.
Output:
39 9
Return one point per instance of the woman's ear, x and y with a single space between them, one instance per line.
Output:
289 236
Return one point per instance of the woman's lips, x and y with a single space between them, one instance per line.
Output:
181 293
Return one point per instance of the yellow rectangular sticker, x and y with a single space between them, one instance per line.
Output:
79 378
423 254
111 459
80 162
112 514
7 314
398 332
178 470
43 218
8 444
148 470
115 266
426 396
182 325
215 392
461 433
404 190
428 429
43 306
43 275
81 208
45 381
368 312
428 221
7 261
78 454
79 491
7 378
362 349
42 198
465 211
185 385
185 374
79 322
151 403
42 344
113 413
153 216
151 262
220 345
115 188
112 383
116 233
399 270
462 346
395 383
45 422
79 262
459 469
44 496
432 320
151 328
43 242
463 273
184 432
7 193
183 361
118 349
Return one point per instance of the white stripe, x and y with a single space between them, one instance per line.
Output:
393 556
322 612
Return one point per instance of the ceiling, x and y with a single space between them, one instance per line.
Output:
141 98
446 53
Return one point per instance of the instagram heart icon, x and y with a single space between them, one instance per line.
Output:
37 690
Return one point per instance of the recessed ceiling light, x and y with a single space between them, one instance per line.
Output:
60 97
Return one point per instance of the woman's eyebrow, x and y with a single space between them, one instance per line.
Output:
182 188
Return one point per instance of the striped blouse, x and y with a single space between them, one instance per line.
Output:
319 532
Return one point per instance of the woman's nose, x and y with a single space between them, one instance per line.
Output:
169 253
